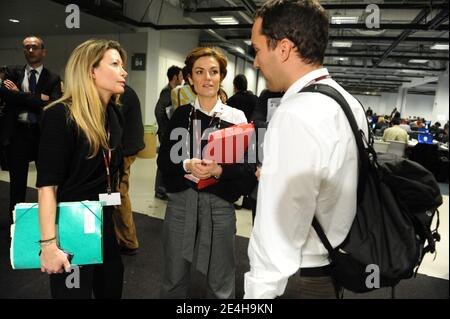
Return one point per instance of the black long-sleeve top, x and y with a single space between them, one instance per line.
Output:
63 156
236 179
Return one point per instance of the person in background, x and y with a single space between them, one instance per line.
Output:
404 125
26 91
200 225
79 158
132 143
395 133
242 99
182 94
175 77
310 165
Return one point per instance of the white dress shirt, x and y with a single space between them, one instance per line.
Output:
222 111
310 168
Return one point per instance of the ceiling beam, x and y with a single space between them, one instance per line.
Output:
387 67
389 6
421 16
378 56
359 38
419 82
215 9
440 18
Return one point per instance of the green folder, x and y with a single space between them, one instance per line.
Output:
79 232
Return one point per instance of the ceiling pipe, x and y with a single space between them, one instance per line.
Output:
377 56
388 67
422 15
440 18
228 45
215 9
360 38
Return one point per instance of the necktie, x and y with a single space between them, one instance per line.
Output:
32 81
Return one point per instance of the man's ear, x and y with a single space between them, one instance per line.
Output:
286 48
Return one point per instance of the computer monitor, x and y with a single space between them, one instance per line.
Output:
425 138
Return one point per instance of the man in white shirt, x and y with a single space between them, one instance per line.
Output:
310 165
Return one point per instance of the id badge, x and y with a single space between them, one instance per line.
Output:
112 199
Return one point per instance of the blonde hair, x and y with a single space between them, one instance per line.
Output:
81 95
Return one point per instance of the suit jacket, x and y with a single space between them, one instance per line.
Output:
160 109
245 101
17 102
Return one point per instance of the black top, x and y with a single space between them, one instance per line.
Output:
160 109
245 101
133 130
236 179
63 156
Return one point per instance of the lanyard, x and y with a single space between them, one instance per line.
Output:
320 78
107 161
197 137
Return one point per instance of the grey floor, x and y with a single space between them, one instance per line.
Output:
431 283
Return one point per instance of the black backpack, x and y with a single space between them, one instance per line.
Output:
396 202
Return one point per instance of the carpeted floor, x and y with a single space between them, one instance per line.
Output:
143 271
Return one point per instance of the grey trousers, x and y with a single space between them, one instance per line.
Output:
199 229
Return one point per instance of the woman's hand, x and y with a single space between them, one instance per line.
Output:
213 168
198 169
54 260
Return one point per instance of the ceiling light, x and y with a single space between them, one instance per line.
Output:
248 42
225 20
341 58
14 20
341 44
439 47
418 61
343 20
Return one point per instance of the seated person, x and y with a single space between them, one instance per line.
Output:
395 133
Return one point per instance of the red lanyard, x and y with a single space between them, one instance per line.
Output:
107 164
320 78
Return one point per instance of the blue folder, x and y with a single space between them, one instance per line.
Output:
79 232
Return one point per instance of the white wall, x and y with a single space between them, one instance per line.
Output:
416 105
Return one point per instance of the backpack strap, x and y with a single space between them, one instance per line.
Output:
358 134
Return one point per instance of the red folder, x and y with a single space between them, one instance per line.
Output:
228 146
225 146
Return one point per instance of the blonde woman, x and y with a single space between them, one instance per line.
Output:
200 226
81 133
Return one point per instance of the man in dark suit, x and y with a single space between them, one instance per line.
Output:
26 90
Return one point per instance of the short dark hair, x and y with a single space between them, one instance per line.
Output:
240 82
304 22
172 71
40 40
395 121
